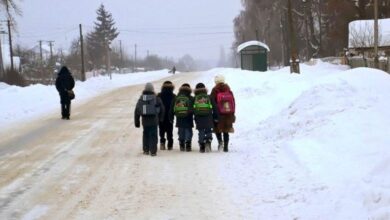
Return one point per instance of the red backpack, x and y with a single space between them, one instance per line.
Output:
225 102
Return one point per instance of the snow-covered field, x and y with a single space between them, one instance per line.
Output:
308 146
18 104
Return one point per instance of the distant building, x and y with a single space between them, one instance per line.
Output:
254 56
361 38
5 54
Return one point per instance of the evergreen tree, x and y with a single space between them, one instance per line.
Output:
99 40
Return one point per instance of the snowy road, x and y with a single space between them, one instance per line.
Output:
91 167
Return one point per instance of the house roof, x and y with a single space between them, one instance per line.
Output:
252 43
361 33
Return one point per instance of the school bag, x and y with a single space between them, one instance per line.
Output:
202 105
149 105
225 102
181 106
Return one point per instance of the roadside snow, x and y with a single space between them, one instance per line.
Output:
18 104
310 146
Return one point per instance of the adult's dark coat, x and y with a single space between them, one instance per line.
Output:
225 122
148 120
205 122
64 82
188 121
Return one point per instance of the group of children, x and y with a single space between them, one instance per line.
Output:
214 112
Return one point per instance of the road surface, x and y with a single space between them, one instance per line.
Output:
92 167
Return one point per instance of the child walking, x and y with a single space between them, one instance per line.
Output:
182 108
166 127
224 99
151 109
205 115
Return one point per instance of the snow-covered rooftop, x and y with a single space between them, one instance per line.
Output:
361 33
252 43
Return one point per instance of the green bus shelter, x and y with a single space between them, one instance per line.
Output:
254 56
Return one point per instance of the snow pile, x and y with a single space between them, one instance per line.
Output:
18 104
310 146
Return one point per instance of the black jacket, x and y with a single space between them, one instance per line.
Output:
167 96
188 121
207 121
64 82
148 120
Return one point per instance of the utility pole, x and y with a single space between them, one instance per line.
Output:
305 2
376 35
51 63
40 51
51 50
10 44
41 60
135 57
1 59
121 52
294 61
108 59
83 78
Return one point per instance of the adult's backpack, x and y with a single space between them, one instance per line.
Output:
181 106
225 103
202 105
149 105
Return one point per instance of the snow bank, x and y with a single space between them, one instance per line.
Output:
313 145
18 104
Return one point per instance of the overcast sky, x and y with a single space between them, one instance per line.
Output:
165 27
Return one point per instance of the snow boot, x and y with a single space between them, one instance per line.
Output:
170 145
225 146
220 145
188 146
162 146
202 148
208 146
181 146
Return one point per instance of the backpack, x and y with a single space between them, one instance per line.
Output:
225 103
182 106
149 105
202 105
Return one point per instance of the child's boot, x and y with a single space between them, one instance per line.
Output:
188 146
208 146
162 146
181 144
202 147
170 145
225 146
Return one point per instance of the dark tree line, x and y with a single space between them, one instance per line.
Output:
321 25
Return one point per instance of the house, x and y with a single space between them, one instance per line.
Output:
361 38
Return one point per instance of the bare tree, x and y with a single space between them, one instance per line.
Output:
11 8
361 34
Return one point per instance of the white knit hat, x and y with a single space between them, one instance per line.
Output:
219 79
